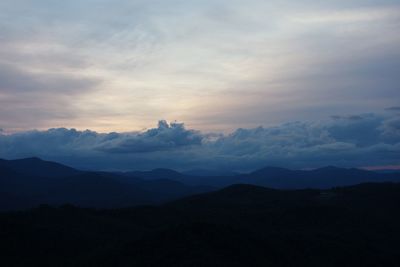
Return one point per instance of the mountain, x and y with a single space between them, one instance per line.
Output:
281 178
326 177
207 172
30 182
27 183
157 174
241 225
38 167
274 177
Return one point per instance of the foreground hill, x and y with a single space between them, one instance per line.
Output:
242 225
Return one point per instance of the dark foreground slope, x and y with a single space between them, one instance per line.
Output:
242 225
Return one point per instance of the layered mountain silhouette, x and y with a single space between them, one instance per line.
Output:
278 178
27 183
270 217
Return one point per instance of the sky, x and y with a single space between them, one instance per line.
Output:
254 82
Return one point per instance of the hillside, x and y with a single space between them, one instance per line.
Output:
242 225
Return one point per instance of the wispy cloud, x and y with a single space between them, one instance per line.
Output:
213 64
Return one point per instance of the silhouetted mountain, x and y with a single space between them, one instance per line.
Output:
156 174
30 182
33 181
206 172
278 178
192 180
242 225
38 167
387 171
281 178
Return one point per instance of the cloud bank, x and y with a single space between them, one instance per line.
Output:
371 139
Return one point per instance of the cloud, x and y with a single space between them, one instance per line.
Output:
391 129
165 137
30 98
393 109
351 141
344 141
213 64
18 81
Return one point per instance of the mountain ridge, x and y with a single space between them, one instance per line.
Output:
33 181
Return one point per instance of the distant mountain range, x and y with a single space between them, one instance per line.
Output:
278 178
27 183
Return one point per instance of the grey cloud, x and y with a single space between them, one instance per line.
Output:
339 142
362 130
391 129
371 139
57 141
30 100
15 80
165 137
350 117
393 109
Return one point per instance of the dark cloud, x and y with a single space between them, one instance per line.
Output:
371 139
350 117
393 109
165 137
391 129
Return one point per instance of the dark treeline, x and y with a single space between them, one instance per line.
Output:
242 225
